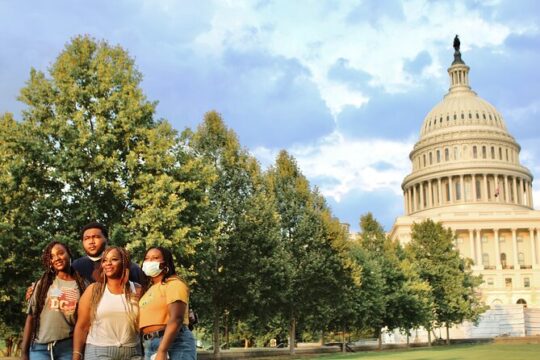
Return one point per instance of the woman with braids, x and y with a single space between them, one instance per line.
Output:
164 310
51 316
108 312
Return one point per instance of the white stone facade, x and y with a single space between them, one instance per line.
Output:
467 175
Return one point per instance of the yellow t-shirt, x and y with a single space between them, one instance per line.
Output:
153 306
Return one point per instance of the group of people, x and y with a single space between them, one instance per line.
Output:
103 306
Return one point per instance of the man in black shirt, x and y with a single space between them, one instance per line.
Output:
94 238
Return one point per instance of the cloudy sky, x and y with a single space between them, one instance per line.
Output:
342 85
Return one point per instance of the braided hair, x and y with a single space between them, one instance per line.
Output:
45 281
101 284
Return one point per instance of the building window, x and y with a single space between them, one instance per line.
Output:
438 156
490 281
506 154
500 153
493 152
456 153
508 282
430 159
424 158
448 191
446 154
478 190
503 261
484 153
458 191
521 258
526 282
474 152
485 259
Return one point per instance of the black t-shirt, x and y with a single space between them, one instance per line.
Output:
86 267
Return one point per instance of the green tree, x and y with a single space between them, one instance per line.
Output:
404 297
88 148
237 266
453 286
314 249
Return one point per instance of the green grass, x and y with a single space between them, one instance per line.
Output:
453 352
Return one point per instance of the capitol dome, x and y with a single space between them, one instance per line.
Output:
465 155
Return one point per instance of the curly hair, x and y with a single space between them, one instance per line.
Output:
101 283
41 288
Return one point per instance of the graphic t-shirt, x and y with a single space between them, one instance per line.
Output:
57 317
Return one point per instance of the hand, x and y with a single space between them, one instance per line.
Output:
160 355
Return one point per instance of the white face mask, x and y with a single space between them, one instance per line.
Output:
151 268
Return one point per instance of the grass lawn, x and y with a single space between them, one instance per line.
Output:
453 352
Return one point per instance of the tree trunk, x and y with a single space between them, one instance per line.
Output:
447 334
408 339
215 339
227 343
343 341
379 346
322 338
292 331
429 337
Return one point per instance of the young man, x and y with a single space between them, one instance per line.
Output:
94 238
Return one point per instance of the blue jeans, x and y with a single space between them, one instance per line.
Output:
182 348
61 350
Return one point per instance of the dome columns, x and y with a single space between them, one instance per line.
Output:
467 189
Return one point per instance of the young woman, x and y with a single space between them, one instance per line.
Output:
51 312
164 310
108 311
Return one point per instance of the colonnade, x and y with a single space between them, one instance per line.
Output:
488 247
468 188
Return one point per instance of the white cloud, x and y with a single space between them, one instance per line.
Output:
340 165
317 36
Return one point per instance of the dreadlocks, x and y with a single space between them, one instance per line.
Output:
42 286
101 284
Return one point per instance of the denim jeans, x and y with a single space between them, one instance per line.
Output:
61 350
182 348
94 352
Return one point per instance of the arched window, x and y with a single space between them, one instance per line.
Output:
484 153
446 154
438 156
522 302
474 152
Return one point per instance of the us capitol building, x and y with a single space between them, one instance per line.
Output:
467 175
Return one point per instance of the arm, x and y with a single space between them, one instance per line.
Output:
27 334
83 323
176 317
